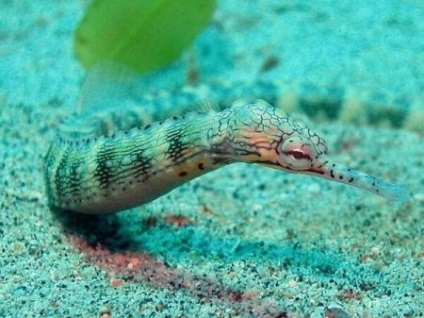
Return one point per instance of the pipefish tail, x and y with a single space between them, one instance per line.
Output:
97 173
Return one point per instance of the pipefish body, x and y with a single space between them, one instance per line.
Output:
98 172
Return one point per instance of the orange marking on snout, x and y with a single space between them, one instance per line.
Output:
263 142
259 138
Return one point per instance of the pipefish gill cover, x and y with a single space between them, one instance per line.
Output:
149 194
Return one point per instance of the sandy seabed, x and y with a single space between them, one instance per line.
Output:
244 241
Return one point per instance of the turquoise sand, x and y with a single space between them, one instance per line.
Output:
243 241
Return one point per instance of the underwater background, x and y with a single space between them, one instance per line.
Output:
243 241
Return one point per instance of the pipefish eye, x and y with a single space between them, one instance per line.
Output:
297 154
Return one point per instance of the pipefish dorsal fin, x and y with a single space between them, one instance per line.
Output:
106 85
107 103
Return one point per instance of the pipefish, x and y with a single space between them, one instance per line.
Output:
90 170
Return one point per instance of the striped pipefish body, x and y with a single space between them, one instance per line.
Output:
90 170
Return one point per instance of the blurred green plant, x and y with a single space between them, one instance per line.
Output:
144 35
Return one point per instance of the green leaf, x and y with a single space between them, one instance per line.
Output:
142 34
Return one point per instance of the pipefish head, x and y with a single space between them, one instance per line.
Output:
267 136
